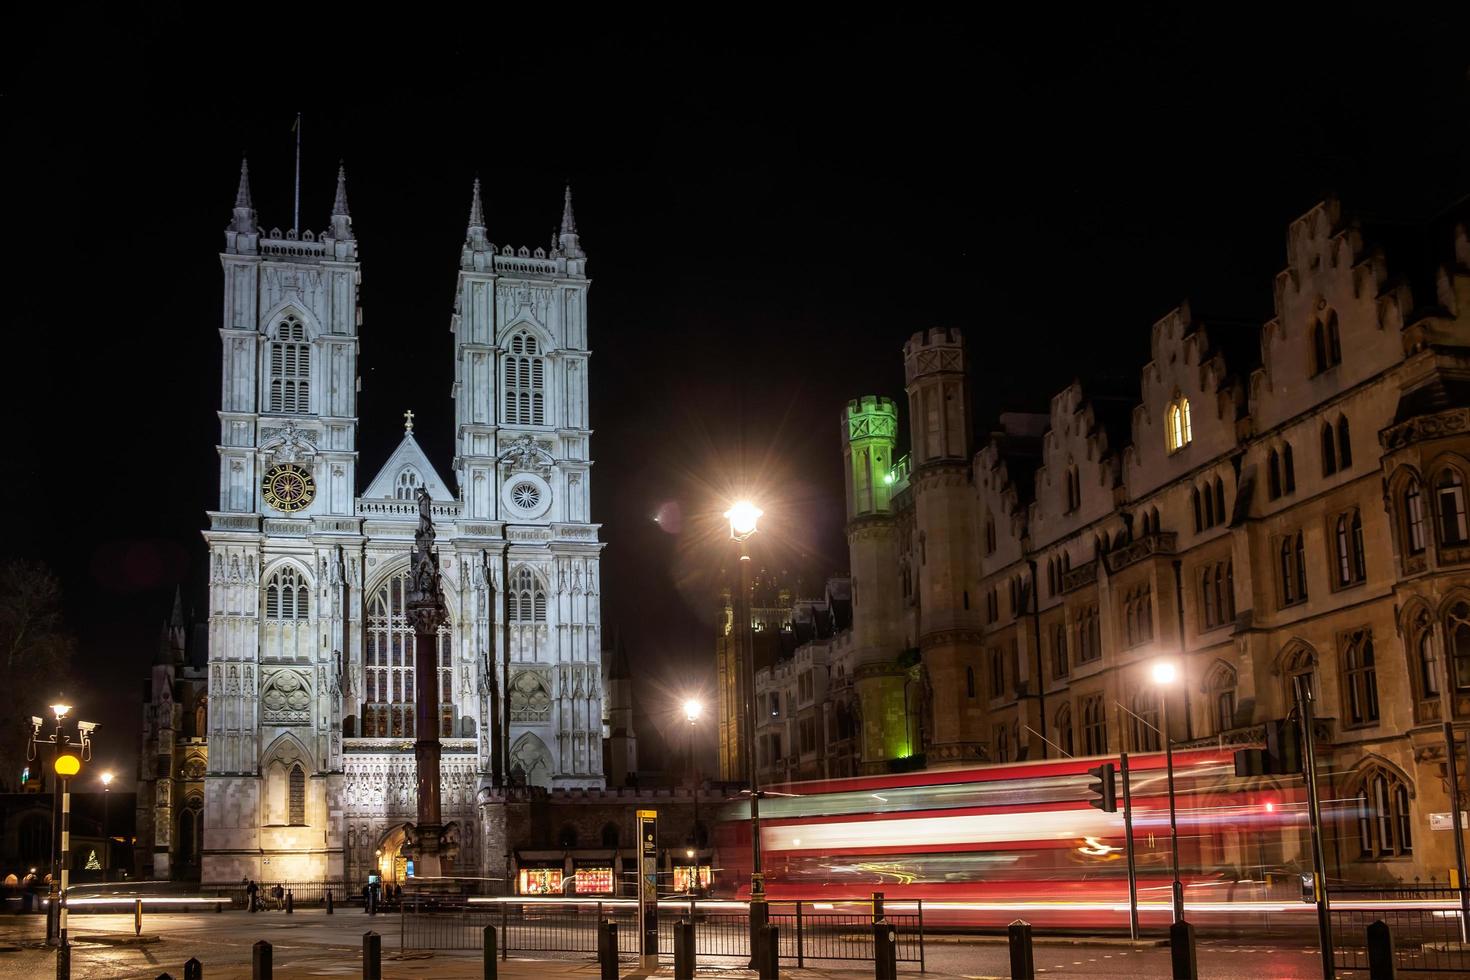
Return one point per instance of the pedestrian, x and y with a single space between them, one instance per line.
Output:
367 899
279 894
251 891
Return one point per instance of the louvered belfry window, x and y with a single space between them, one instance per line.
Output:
523 382
290 369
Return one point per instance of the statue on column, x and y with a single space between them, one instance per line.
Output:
425 608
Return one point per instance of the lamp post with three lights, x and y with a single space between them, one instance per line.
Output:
67 760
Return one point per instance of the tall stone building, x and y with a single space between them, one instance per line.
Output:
311 659
1272 507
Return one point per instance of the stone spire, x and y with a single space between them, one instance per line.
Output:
341 217
477 248
570 246
244 218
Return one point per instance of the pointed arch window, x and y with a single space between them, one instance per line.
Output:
289 391
1360 678
1145 719
297 796
1413 518
1300 673
1329 450
989 534
527 597
1059 665
1221 686
1384 824
287 595
523 381
1449 495
1064 729
1074 489
1094 725
388 666
1199 513
1220 500
1179 428
1344 443
1457 643
1273 474
1348 544
1288 470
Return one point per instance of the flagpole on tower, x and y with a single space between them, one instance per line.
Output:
296 212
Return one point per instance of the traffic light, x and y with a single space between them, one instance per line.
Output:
1104 789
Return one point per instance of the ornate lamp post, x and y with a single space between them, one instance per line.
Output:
743 517
66 762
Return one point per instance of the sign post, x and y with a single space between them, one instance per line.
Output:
648 888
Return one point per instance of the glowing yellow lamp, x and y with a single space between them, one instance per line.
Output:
68 765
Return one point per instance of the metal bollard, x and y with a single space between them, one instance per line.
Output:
769 967
63 961
260 960
372 956
1023 959
138 917
329 901
1380 951
885 952
1181 951
683 950
878 907
290 902
607 949
490 965
193 969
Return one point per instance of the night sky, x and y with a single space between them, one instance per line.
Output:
771 206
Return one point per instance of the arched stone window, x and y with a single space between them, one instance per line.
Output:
1059 665
297 796
1348 548
407 485
1344 443
1329 450
285 632
523 382
1094 725
1384 816
1424 659
1326 343
1064 729
1220 500
1457 643
388 666
289 369
1220 685
1288 469
1179 429
1138 614
1145 719
1273 474
527 597
1360 678
1299 671
1449 496
1412 517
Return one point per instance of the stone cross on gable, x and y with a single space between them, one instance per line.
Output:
408 421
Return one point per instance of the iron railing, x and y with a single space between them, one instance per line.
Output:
304 894
1424 922
809 930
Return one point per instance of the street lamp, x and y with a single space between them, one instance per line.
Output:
67 761
1165 673
106 827
693 708
743 516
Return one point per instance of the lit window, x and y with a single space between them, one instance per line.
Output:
388 666
298 796
1180 430
527 598
1361 680
290 369
286 595
1383 815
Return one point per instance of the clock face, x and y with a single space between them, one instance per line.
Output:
288 488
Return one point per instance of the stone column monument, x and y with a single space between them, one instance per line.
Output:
425 606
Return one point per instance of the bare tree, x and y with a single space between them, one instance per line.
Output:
37 650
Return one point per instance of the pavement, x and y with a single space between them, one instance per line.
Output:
310 943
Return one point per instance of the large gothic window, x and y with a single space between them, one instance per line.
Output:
526 596
1383 814
285 633
290 369
388 666
523 382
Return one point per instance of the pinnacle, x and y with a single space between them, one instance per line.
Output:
477 212
242 196
339 206
568 220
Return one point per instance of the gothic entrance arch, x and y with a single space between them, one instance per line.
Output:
392 864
